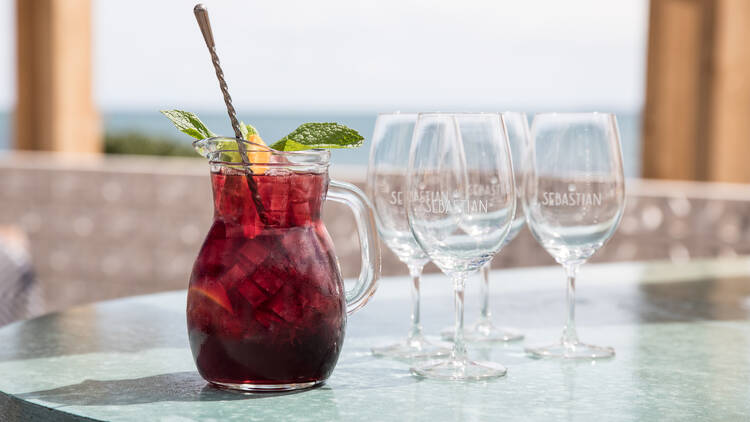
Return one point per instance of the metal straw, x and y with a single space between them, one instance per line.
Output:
201 15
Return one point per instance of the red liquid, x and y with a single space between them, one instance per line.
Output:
266 303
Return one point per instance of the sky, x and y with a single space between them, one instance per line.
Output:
364 55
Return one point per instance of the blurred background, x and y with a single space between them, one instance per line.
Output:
92 208
289 62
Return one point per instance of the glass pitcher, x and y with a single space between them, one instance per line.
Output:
267 308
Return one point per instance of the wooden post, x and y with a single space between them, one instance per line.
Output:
55 110
674 88
697 114
728 130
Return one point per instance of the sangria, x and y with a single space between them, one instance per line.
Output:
266 306
265 303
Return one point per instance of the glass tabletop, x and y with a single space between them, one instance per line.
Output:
681 333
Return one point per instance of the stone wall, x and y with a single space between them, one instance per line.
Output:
104 227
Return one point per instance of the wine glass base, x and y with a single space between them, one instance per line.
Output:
484 333
571 351
413 349
460 370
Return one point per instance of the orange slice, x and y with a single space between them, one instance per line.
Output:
258 154
218 296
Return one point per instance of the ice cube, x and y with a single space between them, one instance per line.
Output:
254 252
267 319
278 171
234 276
300 213
231 195
302 247
275 194
290 303
252 293
270 278
299 188
307 255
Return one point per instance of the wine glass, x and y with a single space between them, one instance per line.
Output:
386 184
460 204
484 330
574 196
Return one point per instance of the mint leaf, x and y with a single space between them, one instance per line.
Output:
319 135
189 123
247 130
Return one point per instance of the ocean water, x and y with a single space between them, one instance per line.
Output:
273 126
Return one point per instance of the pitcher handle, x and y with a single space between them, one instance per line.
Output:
357 201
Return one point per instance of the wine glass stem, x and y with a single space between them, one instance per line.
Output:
459 348
415 271
484 294
570 336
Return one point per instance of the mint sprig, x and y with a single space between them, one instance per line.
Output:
189 123
306 136
319 135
